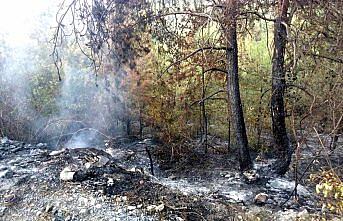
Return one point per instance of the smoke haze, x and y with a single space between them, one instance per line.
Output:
34 106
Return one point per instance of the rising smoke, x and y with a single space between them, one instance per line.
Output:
79 111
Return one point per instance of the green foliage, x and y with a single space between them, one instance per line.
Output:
330 189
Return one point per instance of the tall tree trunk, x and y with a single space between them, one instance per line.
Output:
233 86
281 140
203 109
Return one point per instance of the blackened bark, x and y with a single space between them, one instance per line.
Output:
203 109
141 125
128 127
281 139
233 87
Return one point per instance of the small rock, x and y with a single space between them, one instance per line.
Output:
2 210
172 177
131 207
36 152
102 161
251 175
229 175
111 151
288 186
67 174
160 207
56 152
88 165
84 211
4 140
119 199
150 208
270 201
10 199
6 174
239 196
48 208
287 215
110 182
261 198
40 145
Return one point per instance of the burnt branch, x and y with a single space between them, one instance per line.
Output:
192 54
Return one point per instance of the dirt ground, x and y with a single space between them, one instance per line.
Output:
114 182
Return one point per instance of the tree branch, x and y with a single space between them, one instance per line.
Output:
215 69
196 14
192 54
258 15
337 60
208 97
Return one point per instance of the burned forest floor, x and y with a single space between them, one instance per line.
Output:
115 182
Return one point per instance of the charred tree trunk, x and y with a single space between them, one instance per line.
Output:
141 124
204 115
128 127
233 86
281 139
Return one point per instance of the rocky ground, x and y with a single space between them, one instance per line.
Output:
114 182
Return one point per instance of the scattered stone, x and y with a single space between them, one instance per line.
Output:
150 208
251 176
48 208
119 199
10 199
229 175
111 151
110 182
172 177
2 210
303 213
36 152
4 140
131 207
160 208
270 201
6 174
288 186
40 145
67 174
102 161
239 196
292 215
237 176
84 211
261 198
57 152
